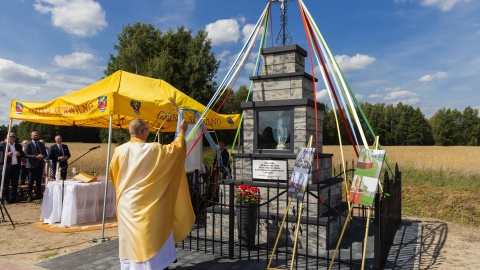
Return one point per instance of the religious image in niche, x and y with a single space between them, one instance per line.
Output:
280 132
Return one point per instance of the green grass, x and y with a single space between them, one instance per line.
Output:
371 172
48 255
442 195
208 157
441 178
39 201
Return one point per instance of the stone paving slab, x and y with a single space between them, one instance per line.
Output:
404 254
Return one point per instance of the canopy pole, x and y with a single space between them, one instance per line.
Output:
5 158
102 238
2 206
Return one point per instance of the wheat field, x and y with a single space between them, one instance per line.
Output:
91 162
462 160
459 160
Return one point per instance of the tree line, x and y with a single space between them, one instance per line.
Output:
402 124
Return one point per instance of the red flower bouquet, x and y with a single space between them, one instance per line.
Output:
247 194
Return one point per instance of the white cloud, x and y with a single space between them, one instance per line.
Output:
249 68
396 95
223 56
76 60
12 72
223 31
322 95
443 5
78 17
359 96
247 31
68 83
359 61
375 96
434 77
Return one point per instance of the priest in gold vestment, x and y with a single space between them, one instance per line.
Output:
153 205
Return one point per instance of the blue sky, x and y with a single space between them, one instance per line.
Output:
425 53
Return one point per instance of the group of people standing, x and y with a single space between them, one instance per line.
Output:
29 159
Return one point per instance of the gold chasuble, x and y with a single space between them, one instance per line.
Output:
152 196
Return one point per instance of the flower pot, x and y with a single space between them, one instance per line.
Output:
246 216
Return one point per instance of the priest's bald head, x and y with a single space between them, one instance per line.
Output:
138 129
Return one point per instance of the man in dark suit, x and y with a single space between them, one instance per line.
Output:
35 153
225 164
59 154
12 168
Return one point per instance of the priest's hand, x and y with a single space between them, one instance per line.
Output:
183 127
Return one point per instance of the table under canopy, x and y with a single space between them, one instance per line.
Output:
82 202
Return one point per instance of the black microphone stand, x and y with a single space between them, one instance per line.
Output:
64 168
91 149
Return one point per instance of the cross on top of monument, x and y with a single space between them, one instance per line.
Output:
284 36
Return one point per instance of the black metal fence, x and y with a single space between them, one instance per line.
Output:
323 215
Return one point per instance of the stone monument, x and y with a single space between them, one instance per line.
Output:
279 121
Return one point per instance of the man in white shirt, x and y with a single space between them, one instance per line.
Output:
12 171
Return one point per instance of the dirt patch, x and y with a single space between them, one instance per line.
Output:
446 245
28 243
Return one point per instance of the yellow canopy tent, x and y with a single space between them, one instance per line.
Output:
112 102
123 96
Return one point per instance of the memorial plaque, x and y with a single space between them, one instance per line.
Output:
269 169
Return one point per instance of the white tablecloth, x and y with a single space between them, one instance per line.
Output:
82 202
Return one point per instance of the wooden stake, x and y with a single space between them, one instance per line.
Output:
375 144
309 145
365 238
296 235
279 233
347 220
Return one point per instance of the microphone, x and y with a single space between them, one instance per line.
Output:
93 148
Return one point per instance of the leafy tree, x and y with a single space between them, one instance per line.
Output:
4 131
446 126
330 133
376 118
400 125
46 132
234 100
119 136
232 105
330 136
419 130
389 125
470 127
179 58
